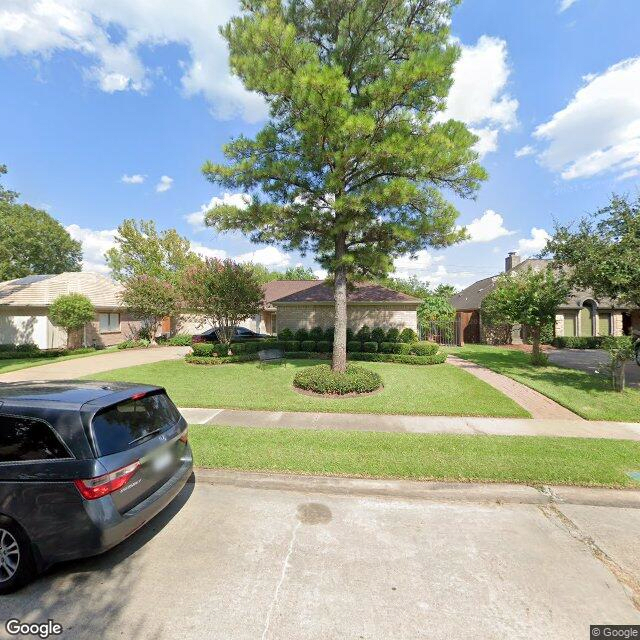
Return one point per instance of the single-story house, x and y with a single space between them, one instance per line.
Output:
25 302
580 315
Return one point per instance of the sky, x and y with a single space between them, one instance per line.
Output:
109 109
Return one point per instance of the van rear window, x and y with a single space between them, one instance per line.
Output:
129 423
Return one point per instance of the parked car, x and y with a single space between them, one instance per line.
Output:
240 334
82 466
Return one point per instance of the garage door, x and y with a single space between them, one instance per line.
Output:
22 329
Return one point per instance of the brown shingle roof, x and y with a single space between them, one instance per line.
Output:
360 292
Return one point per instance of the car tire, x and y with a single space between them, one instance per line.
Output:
17 566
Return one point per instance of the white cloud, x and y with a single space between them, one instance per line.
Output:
478 96
268 256
534 244
196 219
422 261
565 4
94 245
487 227
527 150
207 252
164 184
136 178
632 173
599 130
43 28
321 274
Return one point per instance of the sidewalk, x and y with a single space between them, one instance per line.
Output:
414 424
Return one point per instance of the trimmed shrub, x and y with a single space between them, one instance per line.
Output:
369 347
207 349
350 335
285 334
394 347
308 345
179 340
424 348
393 335
301 334
328 334
354 346
378 335
408 335
247 347
27 347
134 344
214 360
291 345
306 355
437 358
364 334
321 379
567 342
324 346
316 334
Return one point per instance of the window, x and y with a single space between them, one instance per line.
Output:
24 439
109 322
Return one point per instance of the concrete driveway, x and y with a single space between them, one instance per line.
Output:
270 557
592 360
89 365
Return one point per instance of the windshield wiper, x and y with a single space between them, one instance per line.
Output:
155 432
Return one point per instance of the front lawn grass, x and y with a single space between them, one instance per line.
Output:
13 364
588 395
440 390
519 459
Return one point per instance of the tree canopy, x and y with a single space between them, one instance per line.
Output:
602 252
143 251
71 311
356 152
6 195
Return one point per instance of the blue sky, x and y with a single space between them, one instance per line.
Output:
108 111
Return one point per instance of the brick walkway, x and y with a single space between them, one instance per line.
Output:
535 403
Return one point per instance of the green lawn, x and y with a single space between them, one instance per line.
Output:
590 396
411 390
521 459
13 364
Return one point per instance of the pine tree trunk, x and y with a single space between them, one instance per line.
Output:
340 321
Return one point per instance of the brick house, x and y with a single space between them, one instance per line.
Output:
581 314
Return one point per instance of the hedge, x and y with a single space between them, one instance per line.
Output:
214 360
134 344
324 346
179 340
308 345
322 379
354 346
423 348
6 354
369 347
566 342
394 347
437 358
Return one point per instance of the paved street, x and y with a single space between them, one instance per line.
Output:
250 556
592 360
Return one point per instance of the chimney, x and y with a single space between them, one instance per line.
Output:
512 260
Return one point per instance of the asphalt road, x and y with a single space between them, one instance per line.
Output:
298 561
592 361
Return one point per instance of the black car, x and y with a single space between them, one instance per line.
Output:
240 334
82 466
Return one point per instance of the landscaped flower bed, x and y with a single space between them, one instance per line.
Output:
323 380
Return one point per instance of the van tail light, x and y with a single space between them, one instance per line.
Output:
104 485
184 436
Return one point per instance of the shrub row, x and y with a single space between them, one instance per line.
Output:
364 334
437 358
134 344
208 349
321 379
214 360
45 353
566 342
179 340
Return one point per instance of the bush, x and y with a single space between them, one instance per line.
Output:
301 334
378 335
27 347
423 348
207 349
316 334
179 340
369 347
134 344
328 334
308 345
564 342
394 347
364 334
353 346
306 355
7 347
350 335
246 347
408 335
214 360
393 335
291 345
321 379
285 334
437 358
324 346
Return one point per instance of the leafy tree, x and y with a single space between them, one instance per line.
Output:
298 273
150 299
603 252
223 292
32 242
529 298
351 163
142 250
6 195
71 311
265 275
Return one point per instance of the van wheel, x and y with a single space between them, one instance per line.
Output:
17 567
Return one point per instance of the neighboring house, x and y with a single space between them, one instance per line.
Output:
581 315
25 302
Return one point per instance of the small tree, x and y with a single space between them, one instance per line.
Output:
223 292
150 299
71 311
529 298
621 350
